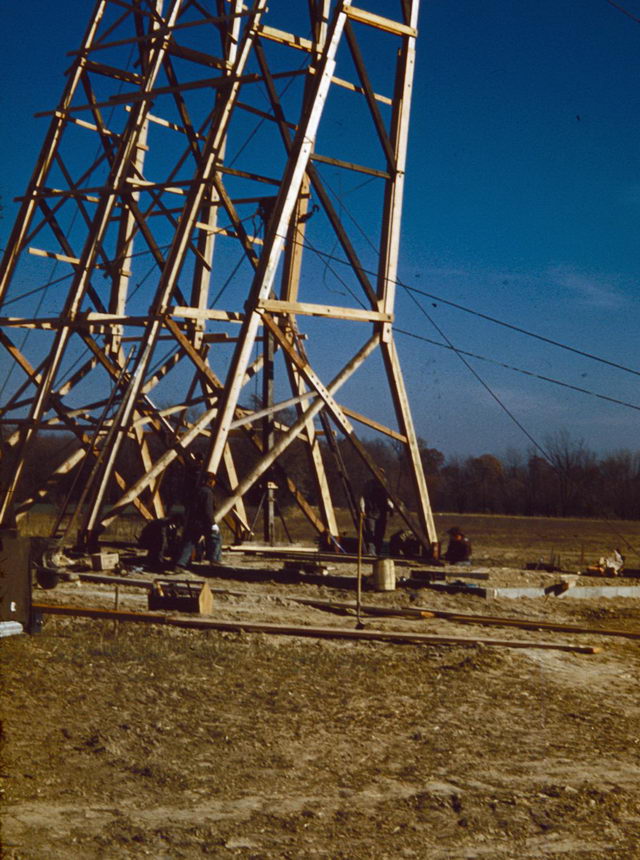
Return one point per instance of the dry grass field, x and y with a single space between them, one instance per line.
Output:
140 740
573 543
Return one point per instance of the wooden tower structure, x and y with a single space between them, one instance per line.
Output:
181 235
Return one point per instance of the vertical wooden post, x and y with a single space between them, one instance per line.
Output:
116 606
268 511
359 624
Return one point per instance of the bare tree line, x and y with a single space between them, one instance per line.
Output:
570 481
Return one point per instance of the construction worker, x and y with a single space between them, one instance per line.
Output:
159 537
459 548
375 506
200 523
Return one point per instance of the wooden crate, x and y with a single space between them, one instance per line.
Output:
181 595
105 560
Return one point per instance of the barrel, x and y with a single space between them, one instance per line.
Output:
384 575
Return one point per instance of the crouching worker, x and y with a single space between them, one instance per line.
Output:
459 548
201 524
404 543
160 539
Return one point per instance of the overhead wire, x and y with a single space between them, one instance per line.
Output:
556 466
518 369
624 11
591 356
410 290
35 290
487 388
521 330
462 353
457 306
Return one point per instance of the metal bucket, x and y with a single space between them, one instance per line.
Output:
384 575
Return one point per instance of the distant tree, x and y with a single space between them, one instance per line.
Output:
540 487
514 484
619 485
432 459
454 492
576 474
485 478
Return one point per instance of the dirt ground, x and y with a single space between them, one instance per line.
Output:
136 740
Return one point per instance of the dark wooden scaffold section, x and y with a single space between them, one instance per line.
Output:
171 232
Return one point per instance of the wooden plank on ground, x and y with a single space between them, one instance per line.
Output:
313 632
487 620
403 612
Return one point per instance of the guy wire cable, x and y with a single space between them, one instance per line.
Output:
517 369
460 307
472 370
555 466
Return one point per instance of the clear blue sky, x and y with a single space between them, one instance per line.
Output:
522 203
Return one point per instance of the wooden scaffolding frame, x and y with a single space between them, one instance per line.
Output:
143 158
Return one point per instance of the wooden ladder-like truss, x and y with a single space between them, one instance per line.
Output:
172 229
